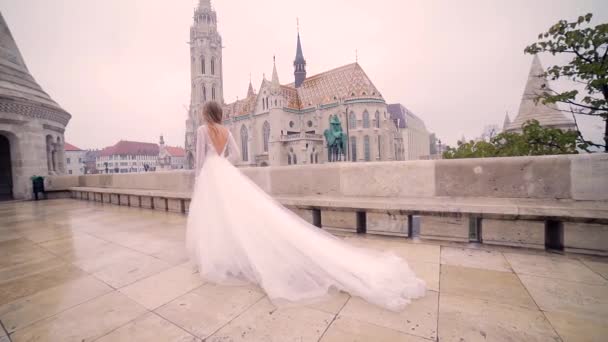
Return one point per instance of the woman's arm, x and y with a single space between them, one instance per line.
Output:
233 154
201 145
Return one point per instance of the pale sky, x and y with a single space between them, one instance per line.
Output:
122 67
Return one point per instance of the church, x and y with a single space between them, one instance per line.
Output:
284 124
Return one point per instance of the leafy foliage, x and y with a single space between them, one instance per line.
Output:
534 140
588 67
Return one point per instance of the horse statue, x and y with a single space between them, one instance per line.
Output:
336 140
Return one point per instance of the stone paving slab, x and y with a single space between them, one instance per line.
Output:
75 270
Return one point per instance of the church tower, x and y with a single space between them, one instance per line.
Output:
205 70
299 65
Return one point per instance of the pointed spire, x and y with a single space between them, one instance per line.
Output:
548 115
507 122
299 64
250 91
275 75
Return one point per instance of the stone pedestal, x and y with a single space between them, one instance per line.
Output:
175 205
134 201
124 200
387 223
98 197
339 220
516 233
306 214
105 198
146 202
114 199
588 238
160 203
449 228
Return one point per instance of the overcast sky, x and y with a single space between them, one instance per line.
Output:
121 67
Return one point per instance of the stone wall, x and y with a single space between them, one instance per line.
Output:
575 177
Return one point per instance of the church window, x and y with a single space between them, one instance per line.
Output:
365 119
379 147
316 158
309 123
366 148
377 119
275 102
266 135
212 65
204 93
291 124
244 138
289 159
295 160
203 65
353 149
352 118
213 93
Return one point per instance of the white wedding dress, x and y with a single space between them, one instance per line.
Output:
236 233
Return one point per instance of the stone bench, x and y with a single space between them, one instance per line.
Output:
151 199
578 226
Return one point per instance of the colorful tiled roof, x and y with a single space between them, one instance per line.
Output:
133 148
70 147
343 83
346 82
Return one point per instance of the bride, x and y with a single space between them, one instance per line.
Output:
236 233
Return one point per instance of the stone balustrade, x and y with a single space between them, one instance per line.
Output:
535 202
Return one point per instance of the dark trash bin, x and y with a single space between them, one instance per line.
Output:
38 185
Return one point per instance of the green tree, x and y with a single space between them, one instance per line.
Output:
588 67
534 140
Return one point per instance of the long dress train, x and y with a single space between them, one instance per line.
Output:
237 233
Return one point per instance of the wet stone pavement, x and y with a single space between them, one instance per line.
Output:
83 271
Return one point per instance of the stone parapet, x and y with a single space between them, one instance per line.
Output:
554 201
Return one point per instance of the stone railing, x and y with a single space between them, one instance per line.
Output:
300 136
537 202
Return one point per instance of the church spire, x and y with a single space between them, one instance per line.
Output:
506 123
204 4
299 64
275 75
250 91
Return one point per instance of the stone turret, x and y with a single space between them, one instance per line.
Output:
32 125
548 115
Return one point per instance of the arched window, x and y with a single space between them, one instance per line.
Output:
365 119
213 93
204 93
366 147
266 134
295 160
212 65
353 149
352 120
275 102
377 117
244 138
203 65
289 159
316 158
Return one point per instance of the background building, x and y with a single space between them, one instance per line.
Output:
127 156
31 124
170 157
416 138
74 159
548 115
283 124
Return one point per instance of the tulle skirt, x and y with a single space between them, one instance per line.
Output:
236 234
